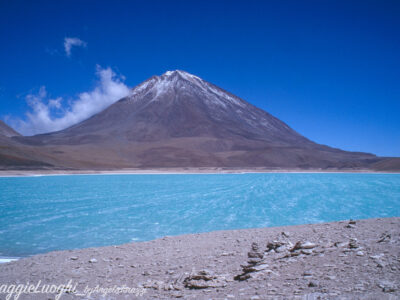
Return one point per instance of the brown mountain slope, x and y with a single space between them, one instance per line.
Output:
16 156
391 164
180 120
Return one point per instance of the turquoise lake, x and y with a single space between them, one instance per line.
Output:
44 213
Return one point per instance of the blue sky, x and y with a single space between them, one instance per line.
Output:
329 69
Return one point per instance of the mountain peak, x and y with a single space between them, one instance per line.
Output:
166 79
181 73
178 81
173 72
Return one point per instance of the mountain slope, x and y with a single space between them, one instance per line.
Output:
179 120
6 130
13 155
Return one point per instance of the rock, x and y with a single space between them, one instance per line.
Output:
378 260
353 243
340 244
296 246
308 245
254 261
273 246
307 273
177 295
377 256
285 234
300 245
385 237
387 287
351 224
380 263
93 260
360 253
260 267
249 268
312 284
177 288
73 258
255 251
169 287
242 277
159 285
306 251
204 279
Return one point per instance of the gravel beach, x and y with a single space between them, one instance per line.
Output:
340 260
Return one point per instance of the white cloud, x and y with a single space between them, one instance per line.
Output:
56 103
71 42
47 115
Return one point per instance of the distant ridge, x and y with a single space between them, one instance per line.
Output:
6 130
178 120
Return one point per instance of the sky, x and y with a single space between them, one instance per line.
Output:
329 69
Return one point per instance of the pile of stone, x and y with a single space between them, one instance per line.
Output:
204 279
160 285
353 243
281 244
278 246
255 263
351 224
385 237
290 250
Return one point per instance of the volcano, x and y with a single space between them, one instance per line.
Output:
180 120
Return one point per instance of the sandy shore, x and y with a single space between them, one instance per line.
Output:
11 173
341 260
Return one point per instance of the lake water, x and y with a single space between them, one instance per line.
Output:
44 213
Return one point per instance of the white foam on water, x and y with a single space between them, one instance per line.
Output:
4 260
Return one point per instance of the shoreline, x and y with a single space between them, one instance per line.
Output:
10 257
345 259
7 259
177 171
